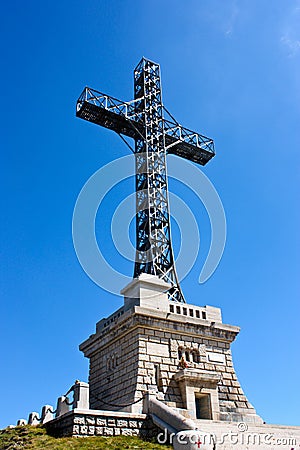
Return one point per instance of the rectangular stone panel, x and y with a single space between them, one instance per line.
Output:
217 358
156 349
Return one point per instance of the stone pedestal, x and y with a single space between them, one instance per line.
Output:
140 346
81 395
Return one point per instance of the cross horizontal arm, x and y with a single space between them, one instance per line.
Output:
187 144
125 118
109 112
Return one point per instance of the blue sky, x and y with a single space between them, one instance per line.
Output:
230 69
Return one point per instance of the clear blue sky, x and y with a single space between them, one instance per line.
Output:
230 69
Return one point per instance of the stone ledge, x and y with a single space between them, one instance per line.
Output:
156 320
100 412
198 375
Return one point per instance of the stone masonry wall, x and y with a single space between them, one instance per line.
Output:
141 351
113 372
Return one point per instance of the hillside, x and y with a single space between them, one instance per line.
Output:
35 438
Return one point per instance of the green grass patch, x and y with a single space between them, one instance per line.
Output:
36 438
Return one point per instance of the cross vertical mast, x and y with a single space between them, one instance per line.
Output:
154 254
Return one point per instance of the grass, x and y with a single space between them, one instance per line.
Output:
36 438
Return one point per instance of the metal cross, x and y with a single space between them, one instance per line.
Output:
156 133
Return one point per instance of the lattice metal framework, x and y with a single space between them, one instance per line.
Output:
144 120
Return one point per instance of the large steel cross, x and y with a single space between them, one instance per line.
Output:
156 134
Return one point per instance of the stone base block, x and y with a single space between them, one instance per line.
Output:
84 423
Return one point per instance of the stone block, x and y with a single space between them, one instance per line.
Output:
126 432
83 429
147 291
209 367
79 420
223 396
240 404
122 423
148 365
34 419
216 358
81 395
155 359
155 339
159 333
62 406
111 422
227 376
224 389
76 429
133 424
90 420
21 422
233 390
101 422
47 413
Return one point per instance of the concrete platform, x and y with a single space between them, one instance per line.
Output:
244 436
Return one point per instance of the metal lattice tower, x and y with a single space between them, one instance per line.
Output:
144 120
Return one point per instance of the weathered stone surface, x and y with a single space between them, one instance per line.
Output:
107 423
34 418
47 413
157 349
21 422
226 435
81 395
216 357
62 406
